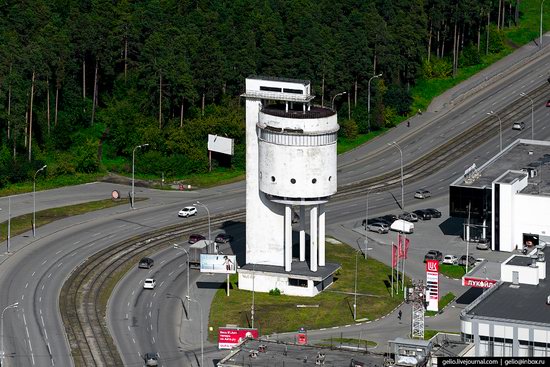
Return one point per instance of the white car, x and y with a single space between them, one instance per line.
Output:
187 212
422 194
450 259
149 283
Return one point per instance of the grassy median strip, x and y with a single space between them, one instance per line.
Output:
332 307
443 301
452 271
23 223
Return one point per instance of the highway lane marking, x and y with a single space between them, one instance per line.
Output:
58 252
49 275
134 340
34 272
170 274
76 243
42 319
128 327
26 285
122 226
127 319
45 261
45 333
111 236
153 338
96 234
180 265
134 291
43 285
128 304
161 283
40 299
60 264
90 244
150 305
22 297
162 262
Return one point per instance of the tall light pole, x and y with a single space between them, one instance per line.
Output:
368 101
499 126
541 4
532 115
402 187
202 338
133 169
177 247
14 305
366 242
208 212
336 95
34 200
355 290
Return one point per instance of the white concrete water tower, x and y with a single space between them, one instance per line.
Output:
290 163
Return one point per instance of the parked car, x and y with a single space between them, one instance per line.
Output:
422 214
187 212
146 263
223 238
548 103
479 260
402 226
422 194
409 217
195 238
149 283
434 212
386 219
518 126
462 260
484 244
151 359
433 255
378 227
450 259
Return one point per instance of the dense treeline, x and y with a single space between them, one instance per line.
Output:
81 80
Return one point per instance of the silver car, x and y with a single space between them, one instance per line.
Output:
378 227
422 194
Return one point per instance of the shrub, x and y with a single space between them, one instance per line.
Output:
275 292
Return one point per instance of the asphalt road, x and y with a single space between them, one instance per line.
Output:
35 270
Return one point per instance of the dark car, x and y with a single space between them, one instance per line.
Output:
433 255
223 238
462 260
385 219
151 359
433 212
423 214
146 263
195 238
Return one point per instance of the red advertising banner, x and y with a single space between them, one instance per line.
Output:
478 282
230 337
432 285
432 266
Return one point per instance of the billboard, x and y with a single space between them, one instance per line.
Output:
478 282
230 337
432 285
224 264
220 144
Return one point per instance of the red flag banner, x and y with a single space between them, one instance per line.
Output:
394 254
407 244
401 247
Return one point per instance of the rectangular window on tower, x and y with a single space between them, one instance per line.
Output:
297 282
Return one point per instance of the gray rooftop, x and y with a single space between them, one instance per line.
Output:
520 261
486 270
520 155
290 355
300 270
279 79
526 303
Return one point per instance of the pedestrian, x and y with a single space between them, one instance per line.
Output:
399 314
408 123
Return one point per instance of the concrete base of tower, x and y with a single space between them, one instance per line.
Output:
301 281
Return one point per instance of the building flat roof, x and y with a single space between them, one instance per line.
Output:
485 270
300 270
523 302
520 155
520 261
286 354
279 79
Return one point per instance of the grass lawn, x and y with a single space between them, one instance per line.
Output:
443 301
275 314
23 222
452 271
429 333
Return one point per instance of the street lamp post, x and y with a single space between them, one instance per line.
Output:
177 247
336 95
532 115
133 170
14 305
366 242
499 126
208 212
368 101
402 187
202 338
355 290
541 4
34 200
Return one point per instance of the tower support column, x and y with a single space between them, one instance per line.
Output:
321 234
302 233
288 238
313 235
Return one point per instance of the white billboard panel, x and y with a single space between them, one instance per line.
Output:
224 264
220 144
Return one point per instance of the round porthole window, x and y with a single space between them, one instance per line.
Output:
292 181
329 178
272 178
314 180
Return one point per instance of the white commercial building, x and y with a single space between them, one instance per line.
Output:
508 198
290 165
